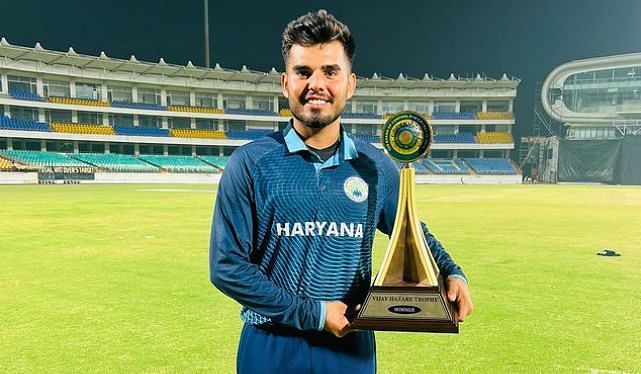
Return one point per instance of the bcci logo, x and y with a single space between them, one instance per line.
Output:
356 189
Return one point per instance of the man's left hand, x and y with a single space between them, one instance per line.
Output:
458 292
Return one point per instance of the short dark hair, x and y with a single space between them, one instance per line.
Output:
317 28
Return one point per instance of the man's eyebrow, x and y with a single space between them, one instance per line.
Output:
332 67
300 67
324 67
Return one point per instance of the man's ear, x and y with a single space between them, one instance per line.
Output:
351 85
283 85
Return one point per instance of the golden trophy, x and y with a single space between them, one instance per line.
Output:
408 293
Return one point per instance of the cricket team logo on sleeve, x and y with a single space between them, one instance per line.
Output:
356 189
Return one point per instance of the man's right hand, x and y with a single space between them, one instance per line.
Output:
335 320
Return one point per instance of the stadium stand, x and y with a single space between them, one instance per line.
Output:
494 137
198 133
7 123
285 112
361 115
132 105
420 167
461 166
25 95
74 101
389 115
80 128
251 112
368 138
454 115
40 158
174 117
250 134
114 162
501 166
195 109
494 115
218 161
179 164
140 131
440 166
463 137
5 164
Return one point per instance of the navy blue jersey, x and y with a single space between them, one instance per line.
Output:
291 231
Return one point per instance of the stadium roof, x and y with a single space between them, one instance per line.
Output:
103 62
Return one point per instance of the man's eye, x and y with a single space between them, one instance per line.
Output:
303 74
331 73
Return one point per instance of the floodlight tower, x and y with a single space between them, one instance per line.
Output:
206 15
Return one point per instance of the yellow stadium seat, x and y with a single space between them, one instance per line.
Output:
75 128
494 137
197 133
5 164
495 115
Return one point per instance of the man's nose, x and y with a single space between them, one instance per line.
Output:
316 81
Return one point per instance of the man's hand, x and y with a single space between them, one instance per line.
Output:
335 320
457 291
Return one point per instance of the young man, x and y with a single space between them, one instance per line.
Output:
295 218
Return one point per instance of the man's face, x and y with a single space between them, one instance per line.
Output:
317 83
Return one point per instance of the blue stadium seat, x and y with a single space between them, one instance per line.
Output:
491 165
7 123
25 95
463 137
454 115
361 115
250 134
132 105
140 131
251 112
367 138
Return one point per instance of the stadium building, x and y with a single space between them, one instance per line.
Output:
598 101
71 117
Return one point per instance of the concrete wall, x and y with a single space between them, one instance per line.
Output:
155 178
469 179
18 178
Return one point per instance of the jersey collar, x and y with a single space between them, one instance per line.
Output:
294 143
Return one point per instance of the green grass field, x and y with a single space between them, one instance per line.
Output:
115 278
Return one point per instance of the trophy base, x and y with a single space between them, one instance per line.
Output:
403 308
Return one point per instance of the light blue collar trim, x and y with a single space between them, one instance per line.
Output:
295 144
292 140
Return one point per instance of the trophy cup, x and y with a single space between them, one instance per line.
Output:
408 293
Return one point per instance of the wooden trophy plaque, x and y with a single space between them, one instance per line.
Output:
408 293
